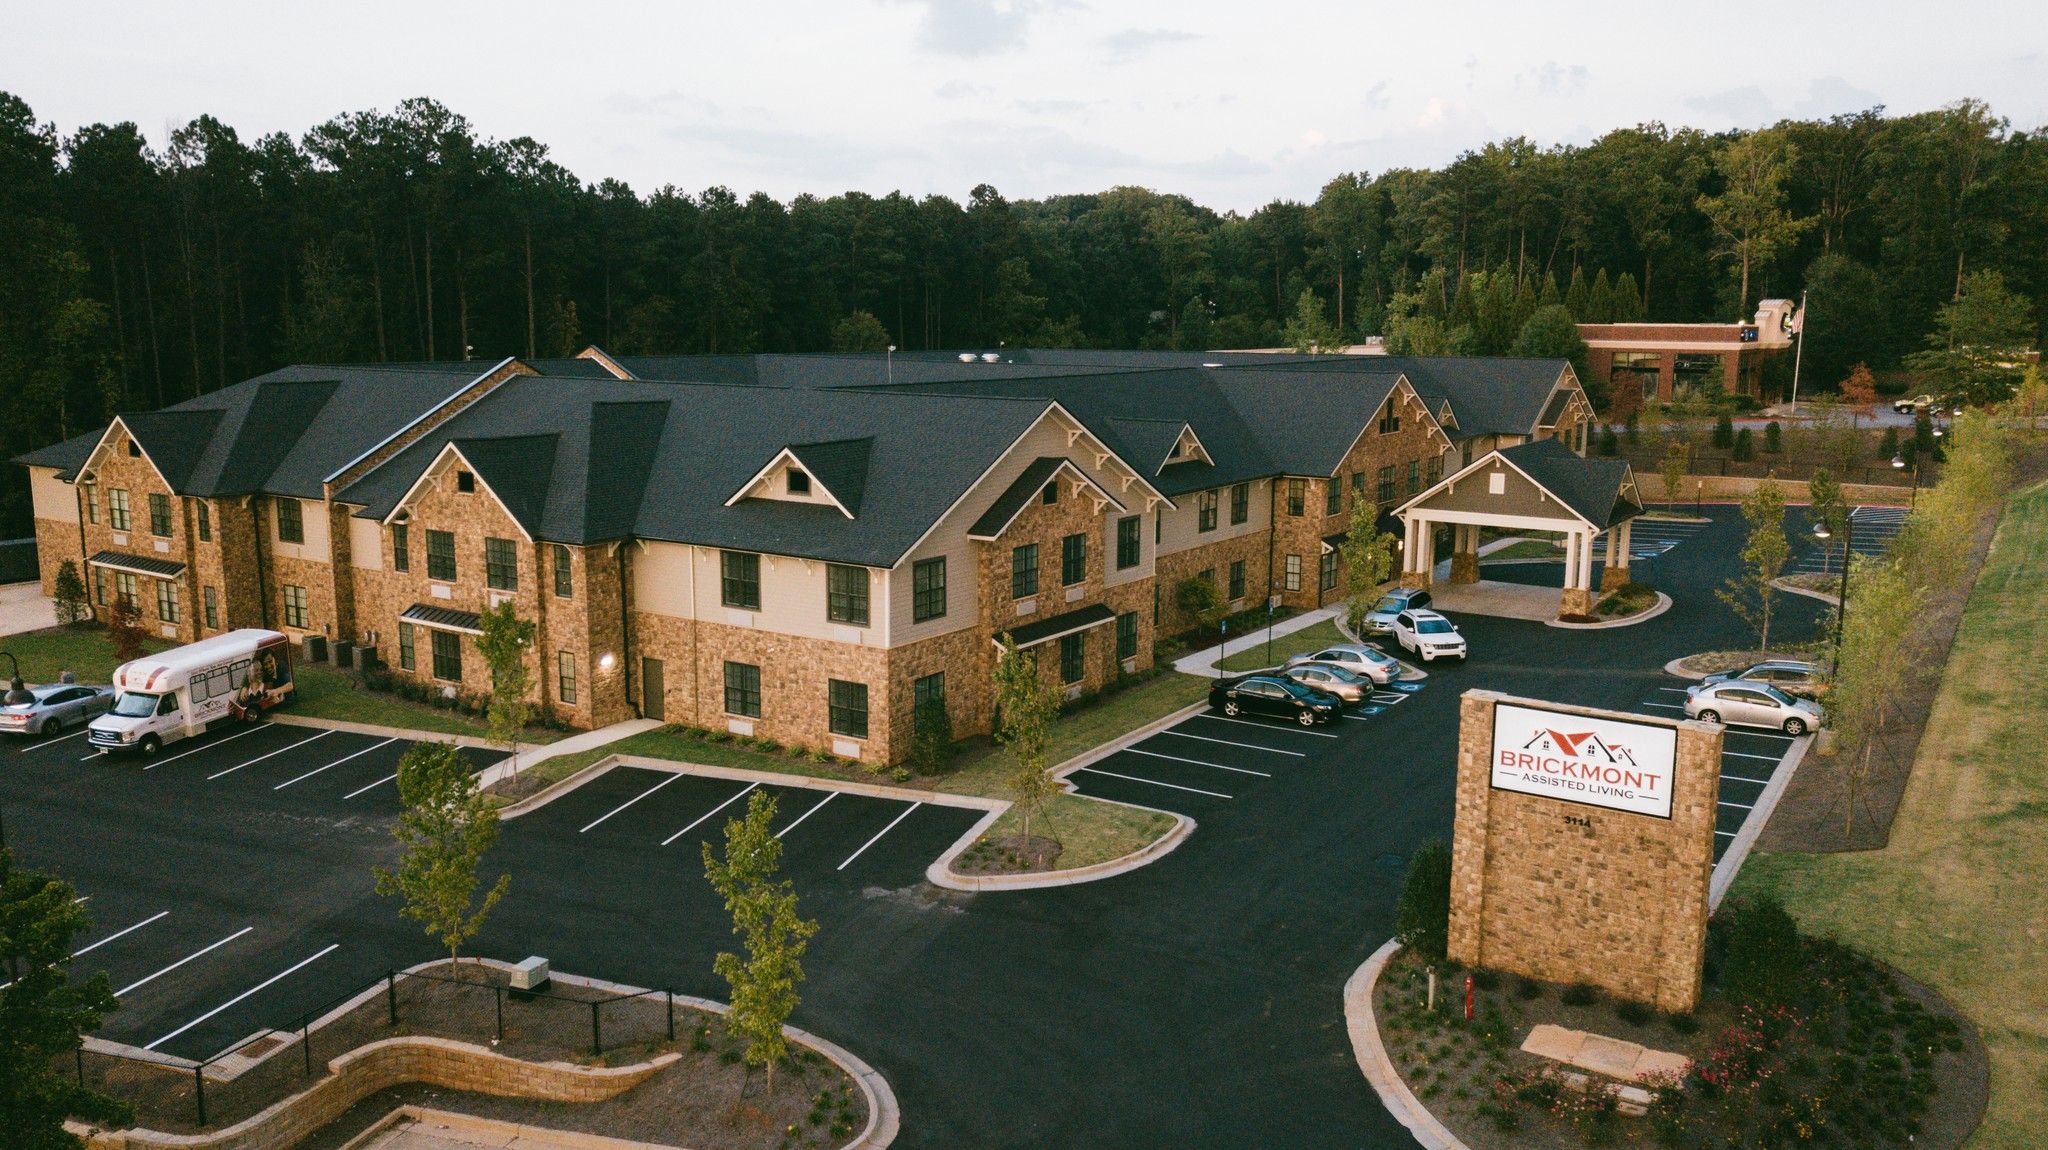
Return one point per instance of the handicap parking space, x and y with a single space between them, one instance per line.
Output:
1651 537
1872 531
1750 758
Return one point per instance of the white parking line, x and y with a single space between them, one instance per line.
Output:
61 738
709 813
1673 690
1744 755
1229 743
119 933
1296 728
1196 762
1154 782
829 796
1760 735
878 834
1740 779
95 755
196 750
1666 706
279 977
123 992
630 802
271 755
1739 806
335 763
371 787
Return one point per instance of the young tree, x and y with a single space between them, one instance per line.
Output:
1198 599
1724 431
504 644
1827 506
1549 333
1883 609
43 1013
1025 709
125 631
1764 553
1310 332
1750 215
1978 346
72 603
1676 457
1860 388
1368 555
859 331
764 915
445 828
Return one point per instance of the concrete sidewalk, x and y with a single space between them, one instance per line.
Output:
23 608
588 740
1204 662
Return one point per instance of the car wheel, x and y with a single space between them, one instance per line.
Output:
53 727
149 746
1232 709
1795 727
1307 718
1708 716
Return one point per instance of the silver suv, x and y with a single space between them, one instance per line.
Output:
1380 620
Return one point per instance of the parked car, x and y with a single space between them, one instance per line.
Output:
1793 676
1428 634
58 707
1739 702
1380 619
1273 695
1347 685
1356 658
1912 405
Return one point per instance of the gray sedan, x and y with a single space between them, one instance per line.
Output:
1740 702
58 707
1356 658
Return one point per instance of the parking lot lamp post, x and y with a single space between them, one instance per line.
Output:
17 692
1821 532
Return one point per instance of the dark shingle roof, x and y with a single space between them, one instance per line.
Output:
1590 487
519 469
1022 490
1307 420
841 465
174 440
67 457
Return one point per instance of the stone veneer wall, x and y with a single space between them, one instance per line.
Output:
56 541
1568 892
135 474
1174 568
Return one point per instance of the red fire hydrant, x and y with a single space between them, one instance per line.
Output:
1468 998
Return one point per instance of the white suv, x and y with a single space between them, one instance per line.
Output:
1428 634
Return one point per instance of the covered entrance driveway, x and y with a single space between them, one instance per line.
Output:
1536 486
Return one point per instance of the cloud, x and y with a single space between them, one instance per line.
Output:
1133 42
1052 107
970 28
1376 97
1746 105
1832 95
962 90
1552 78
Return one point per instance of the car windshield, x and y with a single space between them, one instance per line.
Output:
1378 659
135 705
1776 696
1433 627
1388 604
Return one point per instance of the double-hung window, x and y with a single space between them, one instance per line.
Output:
928 699
124 590
295 606
159 513
211 602
447 655
846 707
565 585
1240 503
739 579
1127 543
441 555
401 547
928 589
565 676
1024 571
1127 635
1073 559
1294 572
1333 497
167 600
501 565
1414 476
407 659
117 508
1073 656
1297 496
743 690
1386 489
1205 511
846 594
1329 571
291 522
205 520
1236 579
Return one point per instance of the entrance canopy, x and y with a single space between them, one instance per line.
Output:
1541 485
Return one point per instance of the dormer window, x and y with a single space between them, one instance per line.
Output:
799 482
465 482
1051 494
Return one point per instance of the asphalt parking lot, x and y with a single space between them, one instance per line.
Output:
1872 529
1195 1002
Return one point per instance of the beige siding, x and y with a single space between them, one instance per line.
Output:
949 538
1177 526
792 594
365 544
54 498
312 513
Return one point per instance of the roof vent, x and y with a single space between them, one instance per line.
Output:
1212 365
990 357
966 357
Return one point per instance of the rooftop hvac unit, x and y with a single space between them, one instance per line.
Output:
990 357
966 357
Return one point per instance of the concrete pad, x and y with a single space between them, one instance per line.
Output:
23 608
1491 597
1551 1041
1608 1056
1662 1062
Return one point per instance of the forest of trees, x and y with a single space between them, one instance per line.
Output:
132 277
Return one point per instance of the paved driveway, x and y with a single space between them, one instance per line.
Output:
1196 1002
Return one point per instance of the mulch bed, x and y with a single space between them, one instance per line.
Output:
697 1102
1810 817
1457 1068
1009 854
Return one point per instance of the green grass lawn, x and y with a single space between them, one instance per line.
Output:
84 650
1089 831
1955 899
1255 654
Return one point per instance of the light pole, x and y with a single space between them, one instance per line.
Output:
1899 464
17 692
889 361
1821 532
1798 351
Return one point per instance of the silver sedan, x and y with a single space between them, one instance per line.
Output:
1356 658
56 708
1743 703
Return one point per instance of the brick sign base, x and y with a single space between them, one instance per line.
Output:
1572 892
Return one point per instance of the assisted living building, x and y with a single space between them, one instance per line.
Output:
813 549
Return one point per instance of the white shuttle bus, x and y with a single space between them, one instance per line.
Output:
169 696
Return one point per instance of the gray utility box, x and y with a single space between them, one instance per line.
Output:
313 649
344 653
530 976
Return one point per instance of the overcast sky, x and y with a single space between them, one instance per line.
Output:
1233 104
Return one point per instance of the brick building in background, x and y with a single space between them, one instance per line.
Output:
814 549
1645 363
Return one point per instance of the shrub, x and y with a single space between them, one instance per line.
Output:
1761 956
1579 994
1773 437
1888 444
1610 444
1633 1013
1724 431
1745 446
71 600
1682 1023
1422 918
931 746
1485 980
1630 430
1528 988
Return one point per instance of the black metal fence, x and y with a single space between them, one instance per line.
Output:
560 1022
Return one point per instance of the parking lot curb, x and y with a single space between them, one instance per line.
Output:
380 731
812 782
1371 1053
1810 593
1663 604
1753 827
557 789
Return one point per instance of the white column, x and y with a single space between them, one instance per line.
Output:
1586 561
1575 559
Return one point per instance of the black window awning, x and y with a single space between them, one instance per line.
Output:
443 619
1056 626
138 564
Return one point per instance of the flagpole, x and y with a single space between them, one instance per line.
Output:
1798 352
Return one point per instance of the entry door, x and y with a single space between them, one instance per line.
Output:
651 690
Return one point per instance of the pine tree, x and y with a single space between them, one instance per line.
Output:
70 599
1628 299
1578 299
1600 302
